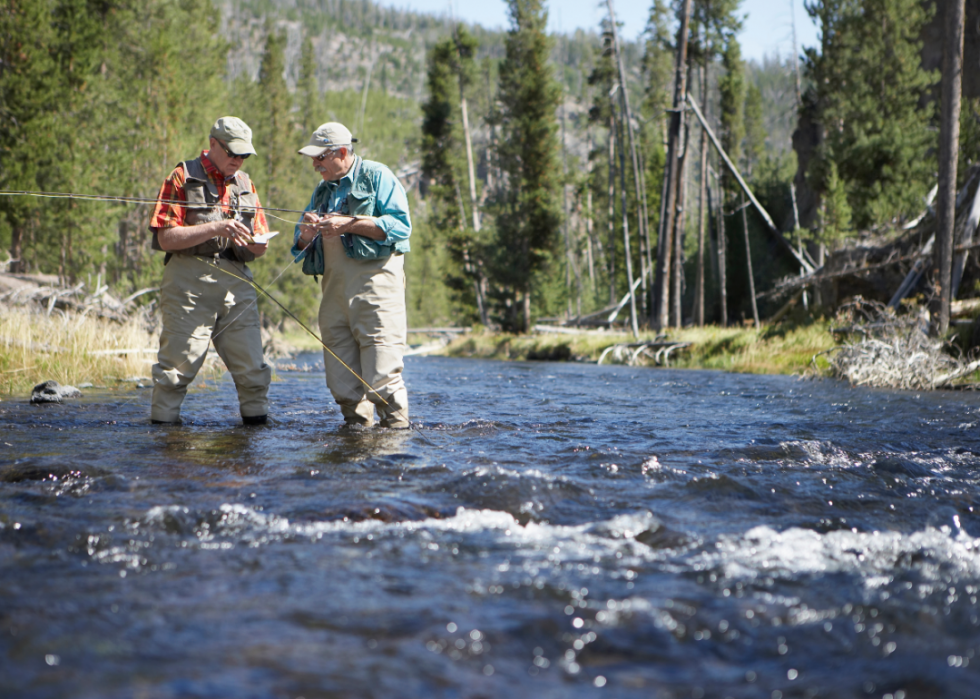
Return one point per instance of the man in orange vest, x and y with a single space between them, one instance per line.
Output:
205 220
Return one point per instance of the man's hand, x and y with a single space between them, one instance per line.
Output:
257 249
308 229
235 231
333 225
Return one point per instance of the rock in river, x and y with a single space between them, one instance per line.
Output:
53 392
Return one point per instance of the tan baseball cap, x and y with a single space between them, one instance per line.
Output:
235 134
329 135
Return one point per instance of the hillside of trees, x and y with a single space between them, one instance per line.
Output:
536 179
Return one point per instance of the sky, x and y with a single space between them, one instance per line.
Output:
767 30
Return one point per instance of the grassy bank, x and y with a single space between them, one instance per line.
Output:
771 350
71 349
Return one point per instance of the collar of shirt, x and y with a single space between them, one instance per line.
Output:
347 179
213 172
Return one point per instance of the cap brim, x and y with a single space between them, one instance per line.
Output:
312 151
240 147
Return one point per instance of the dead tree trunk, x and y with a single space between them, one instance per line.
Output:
672 173
949 136
611 210
648 301
745 188
722 269
564 211
469 161
702 205
627 256
589 232
628 120
748 262
663 252
677 275
17 250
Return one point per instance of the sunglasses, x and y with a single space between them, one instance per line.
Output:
229 153
324 154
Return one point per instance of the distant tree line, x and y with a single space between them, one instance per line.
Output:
531 186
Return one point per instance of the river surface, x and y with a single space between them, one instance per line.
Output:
551 530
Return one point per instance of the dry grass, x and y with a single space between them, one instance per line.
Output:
35 347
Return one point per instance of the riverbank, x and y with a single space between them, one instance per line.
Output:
779 349
80 349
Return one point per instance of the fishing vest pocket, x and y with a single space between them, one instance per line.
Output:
361 202
357 247
313 259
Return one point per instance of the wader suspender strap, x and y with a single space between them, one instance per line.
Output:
194 170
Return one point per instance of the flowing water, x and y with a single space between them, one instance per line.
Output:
560 530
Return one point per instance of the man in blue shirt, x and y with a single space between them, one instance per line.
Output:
360 213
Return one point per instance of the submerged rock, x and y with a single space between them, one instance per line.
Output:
53 392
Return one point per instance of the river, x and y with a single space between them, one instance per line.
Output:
550 531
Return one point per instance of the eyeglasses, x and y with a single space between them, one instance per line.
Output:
229 153
328 151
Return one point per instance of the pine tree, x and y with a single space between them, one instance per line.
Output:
272 128
449 67
167 51
602 114
528 215
28 103
969 137
835 212
869 90
307 90
755 130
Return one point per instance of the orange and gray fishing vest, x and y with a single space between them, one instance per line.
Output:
204 206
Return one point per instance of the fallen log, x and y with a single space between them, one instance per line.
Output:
745 188
874 272
965 307
791 284
657 350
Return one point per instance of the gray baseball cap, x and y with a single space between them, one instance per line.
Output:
329 135
235 134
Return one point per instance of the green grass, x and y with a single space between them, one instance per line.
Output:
779 349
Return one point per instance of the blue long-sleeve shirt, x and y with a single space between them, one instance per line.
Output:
391 201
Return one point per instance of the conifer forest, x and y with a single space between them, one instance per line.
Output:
552 177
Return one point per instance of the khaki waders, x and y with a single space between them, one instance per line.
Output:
362 320
198 303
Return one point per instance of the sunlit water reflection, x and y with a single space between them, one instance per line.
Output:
556 530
